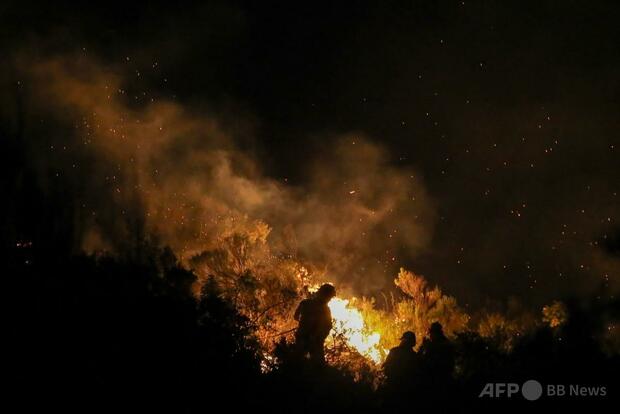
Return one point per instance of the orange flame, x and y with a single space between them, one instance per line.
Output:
350 322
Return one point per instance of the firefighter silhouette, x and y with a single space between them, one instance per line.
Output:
399 366
401 372
438 355
437 363
315 322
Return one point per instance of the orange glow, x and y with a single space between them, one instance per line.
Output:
350 322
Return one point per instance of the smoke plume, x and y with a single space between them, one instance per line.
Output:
148 166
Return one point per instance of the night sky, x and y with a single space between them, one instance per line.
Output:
505 112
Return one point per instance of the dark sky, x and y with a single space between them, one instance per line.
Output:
509 111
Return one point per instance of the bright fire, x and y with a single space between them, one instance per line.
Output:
350 322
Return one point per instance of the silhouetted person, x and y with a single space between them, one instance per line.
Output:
315 322
437 355
399 366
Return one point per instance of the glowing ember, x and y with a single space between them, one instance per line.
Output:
350 323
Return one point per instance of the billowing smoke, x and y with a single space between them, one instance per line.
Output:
145 166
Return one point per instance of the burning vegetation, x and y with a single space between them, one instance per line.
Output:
266 288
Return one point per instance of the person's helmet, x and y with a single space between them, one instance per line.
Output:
408 336
327 291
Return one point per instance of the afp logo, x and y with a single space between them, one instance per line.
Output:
531 390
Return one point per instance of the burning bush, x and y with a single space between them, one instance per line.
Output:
266 288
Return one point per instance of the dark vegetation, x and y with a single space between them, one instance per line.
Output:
111 334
